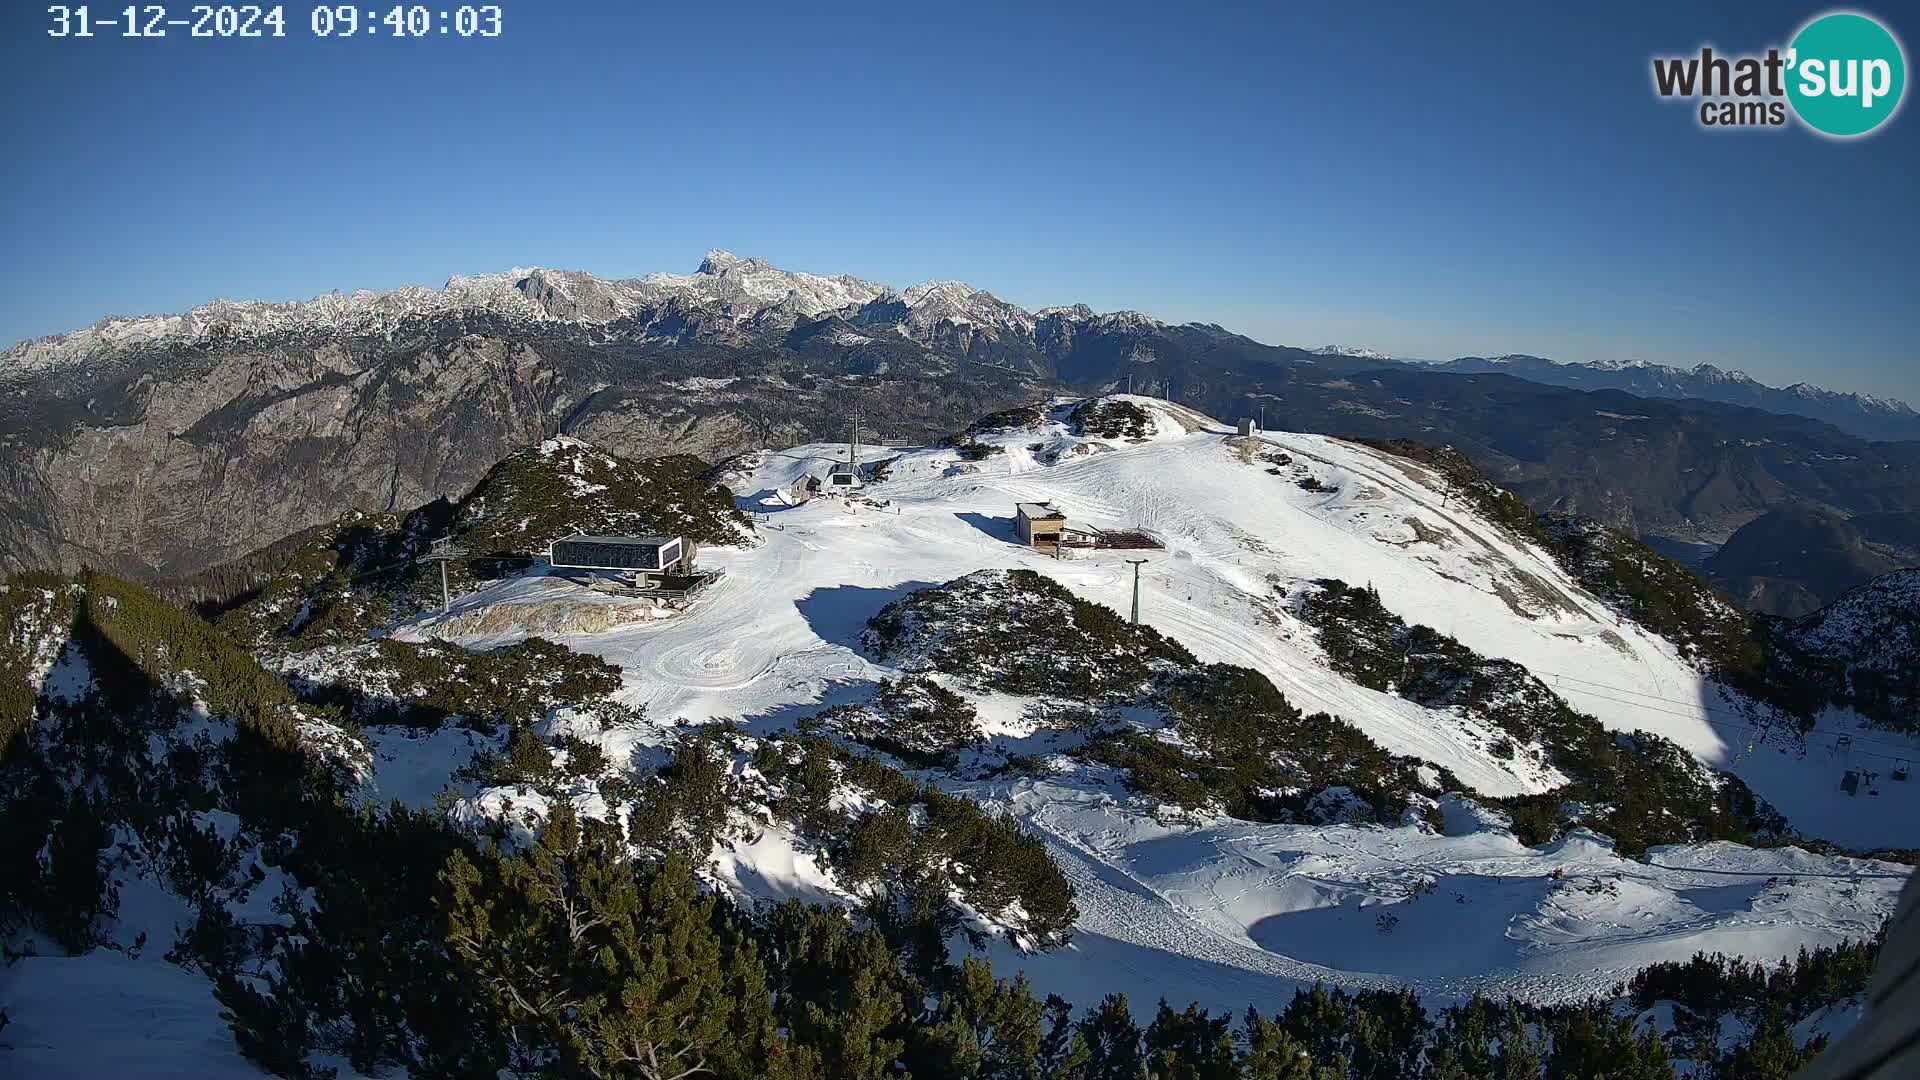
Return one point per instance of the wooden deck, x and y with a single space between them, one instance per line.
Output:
1130 540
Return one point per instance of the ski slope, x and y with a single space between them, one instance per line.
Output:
1226 912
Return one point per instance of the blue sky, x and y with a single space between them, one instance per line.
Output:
1413 177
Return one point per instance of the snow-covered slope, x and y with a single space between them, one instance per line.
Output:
1190 906
1228 912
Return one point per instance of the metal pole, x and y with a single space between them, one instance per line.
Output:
443 551
1136 589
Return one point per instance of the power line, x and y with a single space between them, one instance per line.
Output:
1703 708
1905 754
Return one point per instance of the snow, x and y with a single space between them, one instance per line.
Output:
141 1017
1187 906
1292 905
726 287
1226 912
769 867
1360 351
703 382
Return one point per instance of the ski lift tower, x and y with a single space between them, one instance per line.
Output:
443 551
1136 563
853 444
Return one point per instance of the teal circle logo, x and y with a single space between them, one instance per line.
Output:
1845 74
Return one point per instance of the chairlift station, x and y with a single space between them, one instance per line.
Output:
643 554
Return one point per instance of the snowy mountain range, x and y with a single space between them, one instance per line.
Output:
1360 351
115 439
737 301
1866 415
728 299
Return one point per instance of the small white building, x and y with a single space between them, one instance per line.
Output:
1249 426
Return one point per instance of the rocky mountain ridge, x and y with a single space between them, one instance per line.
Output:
728 300
168 444
731 299
1866 415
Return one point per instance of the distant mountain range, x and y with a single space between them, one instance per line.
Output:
736 299
167 444
1864 415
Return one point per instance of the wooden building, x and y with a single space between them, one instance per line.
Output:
803 490
1038 523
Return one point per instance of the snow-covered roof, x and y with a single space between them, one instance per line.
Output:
1038 510
1080 527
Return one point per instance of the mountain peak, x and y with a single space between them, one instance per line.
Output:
938 290
719 261
1361 351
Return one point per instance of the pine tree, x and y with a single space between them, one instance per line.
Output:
838 991
1320 1020
1389 1034
1107 1043
1590 1043
271 1029
79 889
1769 1055
1189 1045
1523 1048
982 1029
612 975
1272 1054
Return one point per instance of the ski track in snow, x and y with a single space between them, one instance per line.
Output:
1233 913
1190 908
1230 913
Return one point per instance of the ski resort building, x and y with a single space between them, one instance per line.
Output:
656 568
844 476
1038 523
1045 528
803 490
645 555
